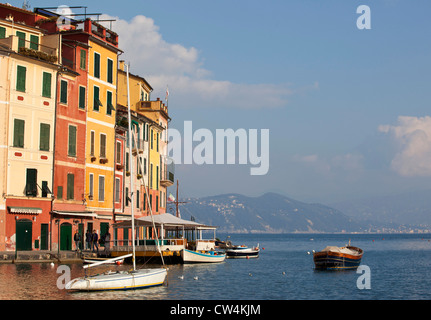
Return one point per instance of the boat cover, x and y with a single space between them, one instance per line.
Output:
340 250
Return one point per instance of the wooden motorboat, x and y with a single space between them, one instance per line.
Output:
338 258
235 252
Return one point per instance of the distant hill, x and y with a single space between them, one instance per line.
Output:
412 208
269 213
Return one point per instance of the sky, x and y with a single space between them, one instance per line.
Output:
347 109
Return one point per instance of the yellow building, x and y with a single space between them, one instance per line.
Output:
101 101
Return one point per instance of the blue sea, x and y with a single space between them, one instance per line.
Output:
397 266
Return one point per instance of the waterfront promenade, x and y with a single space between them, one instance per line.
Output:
43 256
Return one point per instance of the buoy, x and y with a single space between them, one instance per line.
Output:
308 252
248 257
196 278
250 274
52 264
283 273
181 277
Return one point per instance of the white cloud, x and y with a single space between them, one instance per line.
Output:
190 84
413 138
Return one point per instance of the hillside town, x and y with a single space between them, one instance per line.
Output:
64 144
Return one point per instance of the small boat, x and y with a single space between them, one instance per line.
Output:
235 252
190 256
338 258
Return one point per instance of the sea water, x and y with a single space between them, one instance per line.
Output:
399 267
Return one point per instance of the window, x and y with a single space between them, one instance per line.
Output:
63 92
157 137
152 139
157 203
103 145
45 189
34 42
59 192
127 197
70 186
2 32
109 106
71 151
44 137
81 104
118 152
138 165
31 183
145 166
96 65
83 62
157 177
96 99
101 188
20 78
137 198
91 187
151 176
92 138
18 133
21 41
46 85
127 162
117 190
110 70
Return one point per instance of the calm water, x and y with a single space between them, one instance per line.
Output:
400 269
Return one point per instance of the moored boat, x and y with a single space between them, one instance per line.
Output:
338 258
235 252
190 256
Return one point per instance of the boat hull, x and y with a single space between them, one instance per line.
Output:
133 280
247 253
199 257
330 260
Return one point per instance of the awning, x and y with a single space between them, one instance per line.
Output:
75 213
24 210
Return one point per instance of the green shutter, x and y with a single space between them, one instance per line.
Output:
72 141
83 59
18 133
44 137
63 92
20 78
34 42
110 71
2 32
70 186
96 101
103 146
82 97
46 85
97 65
21 41
109 106
59 192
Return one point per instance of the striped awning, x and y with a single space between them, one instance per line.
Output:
24 210
75 213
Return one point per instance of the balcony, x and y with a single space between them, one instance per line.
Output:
33 49
157 105
167 174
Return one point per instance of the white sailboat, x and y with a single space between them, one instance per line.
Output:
123 280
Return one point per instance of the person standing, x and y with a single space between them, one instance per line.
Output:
77 238
88 237
107 243
95 240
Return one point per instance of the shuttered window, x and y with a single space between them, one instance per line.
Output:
92 138
18 133
59 192
44 137
101 188
82 97
21 78
83 62
31 183
110 71
21 41
103 145
71 151
2 32
91 187
96 65
34 42
96 99
46 85
117 190
109 106
63 91
70 186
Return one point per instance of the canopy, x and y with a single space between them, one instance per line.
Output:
166 220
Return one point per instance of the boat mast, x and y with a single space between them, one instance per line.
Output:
131 169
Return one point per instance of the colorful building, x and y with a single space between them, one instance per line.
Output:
30 59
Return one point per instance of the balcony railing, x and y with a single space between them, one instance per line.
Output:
167 172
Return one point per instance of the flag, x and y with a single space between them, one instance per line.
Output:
167 94
171 197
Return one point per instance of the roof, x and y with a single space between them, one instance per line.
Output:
166 220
